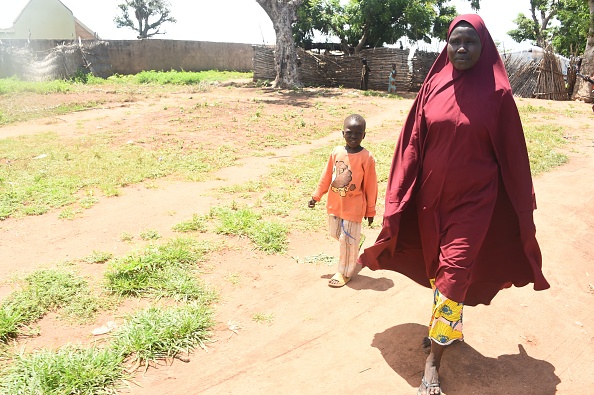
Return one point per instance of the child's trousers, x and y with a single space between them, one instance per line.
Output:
348 234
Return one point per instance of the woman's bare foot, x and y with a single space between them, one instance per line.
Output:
430 382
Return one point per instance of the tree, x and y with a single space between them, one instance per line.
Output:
582 89
317 16
569 38
283 14
537 27
143 10
360 23
372 23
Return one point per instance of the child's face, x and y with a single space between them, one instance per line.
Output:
353 133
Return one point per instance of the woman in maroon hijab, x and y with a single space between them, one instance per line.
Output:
459 204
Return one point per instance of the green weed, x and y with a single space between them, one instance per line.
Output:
68 213
268 236
126 237
160 271
321 258
179 77
233 278
69 370
43 291
372 93
14 85
44 171
196 224
98 257
157 333
542 142
150 234
262 318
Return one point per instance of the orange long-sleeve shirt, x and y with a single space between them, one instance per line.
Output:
351 183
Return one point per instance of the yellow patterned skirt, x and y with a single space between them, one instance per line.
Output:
446 322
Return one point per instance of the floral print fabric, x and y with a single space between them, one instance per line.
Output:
446 322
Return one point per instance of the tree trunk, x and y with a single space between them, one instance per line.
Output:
283 13
583 89
362 41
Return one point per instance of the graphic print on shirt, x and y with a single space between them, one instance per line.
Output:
341 178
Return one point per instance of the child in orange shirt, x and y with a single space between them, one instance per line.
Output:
351 183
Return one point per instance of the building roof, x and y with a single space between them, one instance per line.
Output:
12 11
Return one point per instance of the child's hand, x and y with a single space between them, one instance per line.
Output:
370 220
311 204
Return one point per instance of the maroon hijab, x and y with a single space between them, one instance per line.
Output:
510 254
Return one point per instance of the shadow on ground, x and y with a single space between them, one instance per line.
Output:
360 282
464 370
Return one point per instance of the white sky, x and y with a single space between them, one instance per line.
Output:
241 21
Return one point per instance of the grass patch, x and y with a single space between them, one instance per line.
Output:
530 109
44 291
268 236
321 258
150 234
45 172
146 336
14 85
160 271
69 370
262 318
372 93
198 223
157 333
542 142
126 237
175 77
98 257
19 115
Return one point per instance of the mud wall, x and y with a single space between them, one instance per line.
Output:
123 56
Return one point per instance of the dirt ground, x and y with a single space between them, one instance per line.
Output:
361 339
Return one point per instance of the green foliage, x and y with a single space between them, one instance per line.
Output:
570 37
98 257
160 271
262 318
320 258
150 234
268 236
526 29
45 171
14 85
69 370
164 78
185 77
542 142
196 224
371 23
145 336
157 333
81 76
126 237
43 291
372 93
324 16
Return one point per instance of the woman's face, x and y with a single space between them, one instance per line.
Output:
464 46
